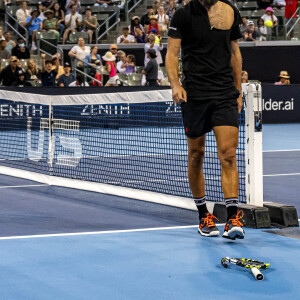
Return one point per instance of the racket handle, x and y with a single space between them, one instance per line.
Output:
257 274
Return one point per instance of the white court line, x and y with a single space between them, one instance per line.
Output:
274 175
96 232
21 186
290 150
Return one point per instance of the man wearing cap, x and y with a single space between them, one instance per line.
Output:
114 50
207 31
151 69
126 38
145 19
67 78
20 50
34 24
251 35
23 13
4 54
21 79
90 23
9 74
284 78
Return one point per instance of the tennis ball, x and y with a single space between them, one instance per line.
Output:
269 23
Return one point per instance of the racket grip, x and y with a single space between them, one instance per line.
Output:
257 274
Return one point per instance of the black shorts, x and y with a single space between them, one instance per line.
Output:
200 116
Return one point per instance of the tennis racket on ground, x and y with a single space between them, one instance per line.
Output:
253 265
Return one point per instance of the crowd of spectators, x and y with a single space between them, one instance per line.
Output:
64 17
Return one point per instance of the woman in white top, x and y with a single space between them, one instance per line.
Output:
80 51
151 44
269 16
162 19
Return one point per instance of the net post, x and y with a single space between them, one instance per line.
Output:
253 149
51 145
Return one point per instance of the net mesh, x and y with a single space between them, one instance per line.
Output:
139 145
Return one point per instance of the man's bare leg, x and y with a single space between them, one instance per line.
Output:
227 142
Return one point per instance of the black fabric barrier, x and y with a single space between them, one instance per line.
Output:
281 104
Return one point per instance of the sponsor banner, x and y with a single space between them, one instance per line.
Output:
281 104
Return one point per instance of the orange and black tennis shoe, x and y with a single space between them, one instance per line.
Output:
233 228
207 226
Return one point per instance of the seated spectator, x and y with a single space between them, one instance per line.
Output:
23 13
9 43
162 20
9 74
59 14
251 35
269 16
157 47
51 24
243 26
151 69
262 29
129 64
90 24
20 50
21 79
32 71
263 4
41 10
145 19
126 38
279 4
48 75
244 77
153 25
170 11
103 3
4 54
121 68
135 23
140 36
48 4
69 5
111 69
284 78
79 82
79 52
73 22
92 59
34 24
114 50
155 6
67 78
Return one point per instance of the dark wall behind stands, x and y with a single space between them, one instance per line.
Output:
281 104
262 62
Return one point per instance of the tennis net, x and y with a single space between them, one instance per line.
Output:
121 141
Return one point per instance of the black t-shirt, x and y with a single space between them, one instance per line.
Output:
48 78
206 51
8 77
145 20
151 69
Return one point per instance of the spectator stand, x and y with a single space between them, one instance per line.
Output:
130 5
12 23
47 43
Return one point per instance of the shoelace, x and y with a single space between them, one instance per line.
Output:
236 221
208 220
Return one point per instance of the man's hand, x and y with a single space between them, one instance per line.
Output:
43 55
178 94
240 102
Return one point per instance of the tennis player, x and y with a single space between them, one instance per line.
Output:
208 31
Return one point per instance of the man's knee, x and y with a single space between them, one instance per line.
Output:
227 156
196 157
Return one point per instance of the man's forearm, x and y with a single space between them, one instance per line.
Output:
236 62
172 69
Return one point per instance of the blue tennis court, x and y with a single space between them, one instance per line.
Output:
59 243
